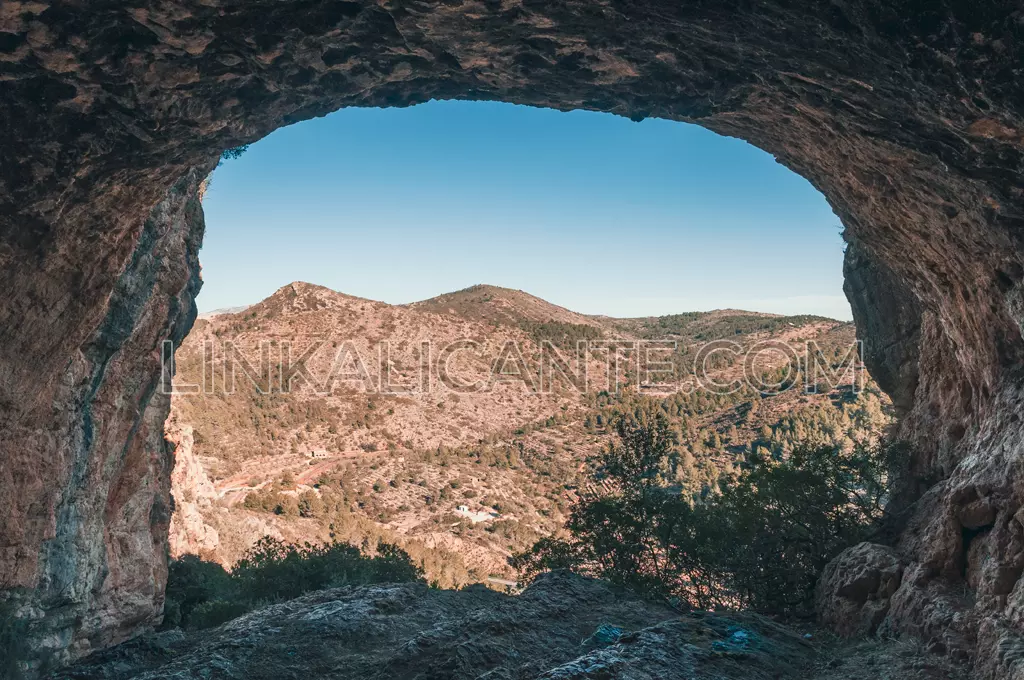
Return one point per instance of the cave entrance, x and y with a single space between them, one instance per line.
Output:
474 236
908 118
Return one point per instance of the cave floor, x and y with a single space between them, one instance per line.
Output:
562 627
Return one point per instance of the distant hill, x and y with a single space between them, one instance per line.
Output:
342 460
223 310
496 305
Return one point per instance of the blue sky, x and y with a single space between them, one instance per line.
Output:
589 211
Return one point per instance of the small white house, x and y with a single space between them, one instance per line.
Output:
318 453
475 517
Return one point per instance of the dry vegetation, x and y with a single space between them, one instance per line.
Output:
398 468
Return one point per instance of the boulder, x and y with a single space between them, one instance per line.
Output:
853 591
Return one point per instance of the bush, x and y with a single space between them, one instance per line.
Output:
760 541
790 519
215 612
191 582
310 504
202 594
273 570
234 152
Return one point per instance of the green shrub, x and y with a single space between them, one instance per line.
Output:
391 564
790 518
202 594
215 612
191 582
760 541
234 152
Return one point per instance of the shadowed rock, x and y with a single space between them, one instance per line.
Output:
411 631
908 117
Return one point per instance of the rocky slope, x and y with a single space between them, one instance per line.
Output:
449 371
366 363
907 116
561 628
501 306
400 467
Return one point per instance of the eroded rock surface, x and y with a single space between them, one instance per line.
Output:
854 589
85 498
908 116
192 490
411 631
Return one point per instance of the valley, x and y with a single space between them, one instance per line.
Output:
460 428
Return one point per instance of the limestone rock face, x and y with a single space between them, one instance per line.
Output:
192 490
562 627
854 589
409 630
85 499
909 117
888 319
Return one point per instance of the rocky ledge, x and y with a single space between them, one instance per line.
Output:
562 627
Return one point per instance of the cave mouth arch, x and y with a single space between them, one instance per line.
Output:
586 210
908 119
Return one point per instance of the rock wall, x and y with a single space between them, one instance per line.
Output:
909 117
84 497
193 492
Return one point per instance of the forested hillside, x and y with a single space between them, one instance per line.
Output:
462 479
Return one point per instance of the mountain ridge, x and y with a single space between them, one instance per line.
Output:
459 478
466 295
